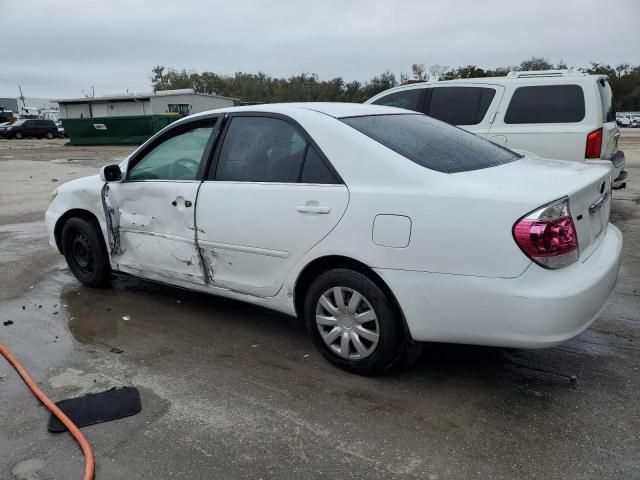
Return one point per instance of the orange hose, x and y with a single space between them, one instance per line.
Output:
75 431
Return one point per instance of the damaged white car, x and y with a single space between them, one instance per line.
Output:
379 226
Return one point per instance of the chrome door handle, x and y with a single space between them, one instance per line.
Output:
314 209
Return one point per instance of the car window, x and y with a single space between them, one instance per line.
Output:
606 100
315 170
409 99
460 105
261 149
431 143
546 104
176 158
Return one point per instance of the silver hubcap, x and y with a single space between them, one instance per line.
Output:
347 323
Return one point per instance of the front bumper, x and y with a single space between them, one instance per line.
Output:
51 217
540 308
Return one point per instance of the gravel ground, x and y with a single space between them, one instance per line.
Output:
232 391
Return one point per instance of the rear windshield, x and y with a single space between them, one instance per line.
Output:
431 143
606 99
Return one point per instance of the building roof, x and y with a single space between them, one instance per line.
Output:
129 97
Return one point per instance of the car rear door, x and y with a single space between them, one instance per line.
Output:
269 197
30 128
471 107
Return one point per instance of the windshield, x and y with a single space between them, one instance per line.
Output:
19 122
431 143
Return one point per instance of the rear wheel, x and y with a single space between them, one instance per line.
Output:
85 252
352 322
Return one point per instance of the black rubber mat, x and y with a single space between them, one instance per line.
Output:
97 408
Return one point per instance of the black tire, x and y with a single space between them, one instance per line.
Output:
49 135
18 135
390 338
86 252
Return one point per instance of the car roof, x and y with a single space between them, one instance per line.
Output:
332 109
513 78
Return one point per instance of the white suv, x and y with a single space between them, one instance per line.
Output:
561 114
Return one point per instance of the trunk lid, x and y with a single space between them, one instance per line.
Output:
533 182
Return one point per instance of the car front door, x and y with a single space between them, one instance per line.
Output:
269 197
30 128
153 207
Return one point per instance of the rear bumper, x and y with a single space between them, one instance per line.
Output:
620 181
540 308
619 175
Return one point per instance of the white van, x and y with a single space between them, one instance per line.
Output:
561 114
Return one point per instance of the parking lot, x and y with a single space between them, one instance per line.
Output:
232 391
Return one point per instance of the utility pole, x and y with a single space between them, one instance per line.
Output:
21 97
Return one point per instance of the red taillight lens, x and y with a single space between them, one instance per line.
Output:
548 236
594 144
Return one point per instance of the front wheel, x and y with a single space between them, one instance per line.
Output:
353 322
49 135
18 135
85 252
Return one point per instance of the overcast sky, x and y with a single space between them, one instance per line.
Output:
58 48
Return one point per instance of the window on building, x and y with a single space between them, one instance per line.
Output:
180 108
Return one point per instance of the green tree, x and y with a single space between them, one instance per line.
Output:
535 63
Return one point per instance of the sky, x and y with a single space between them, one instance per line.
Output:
60 48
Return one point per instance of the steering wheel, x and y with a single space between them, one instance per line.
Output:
184 169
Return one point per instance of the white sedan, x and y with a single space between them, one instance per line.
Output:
380 227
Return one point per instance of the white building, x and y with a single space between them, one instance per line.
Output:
184 102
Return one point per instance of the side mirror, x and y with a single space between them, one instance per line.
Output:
110 173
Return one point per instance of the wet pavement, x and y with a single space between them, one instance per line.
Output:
232 391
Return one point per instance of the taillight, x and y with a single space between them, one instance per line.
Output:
594 144
548 235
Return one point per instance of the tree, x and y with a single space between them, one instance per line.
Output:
157 77
468 71
419 71
535 63
438 70
260 87
622 69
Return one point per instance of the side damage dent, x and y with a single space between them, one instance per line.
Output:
112 219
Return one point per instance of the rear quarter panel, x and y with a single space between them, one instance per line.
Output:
564 141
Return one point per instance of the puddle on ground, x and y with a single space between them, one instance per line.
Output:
160 318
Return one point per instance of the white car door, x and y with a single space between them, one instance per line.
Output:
153 207
269 197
